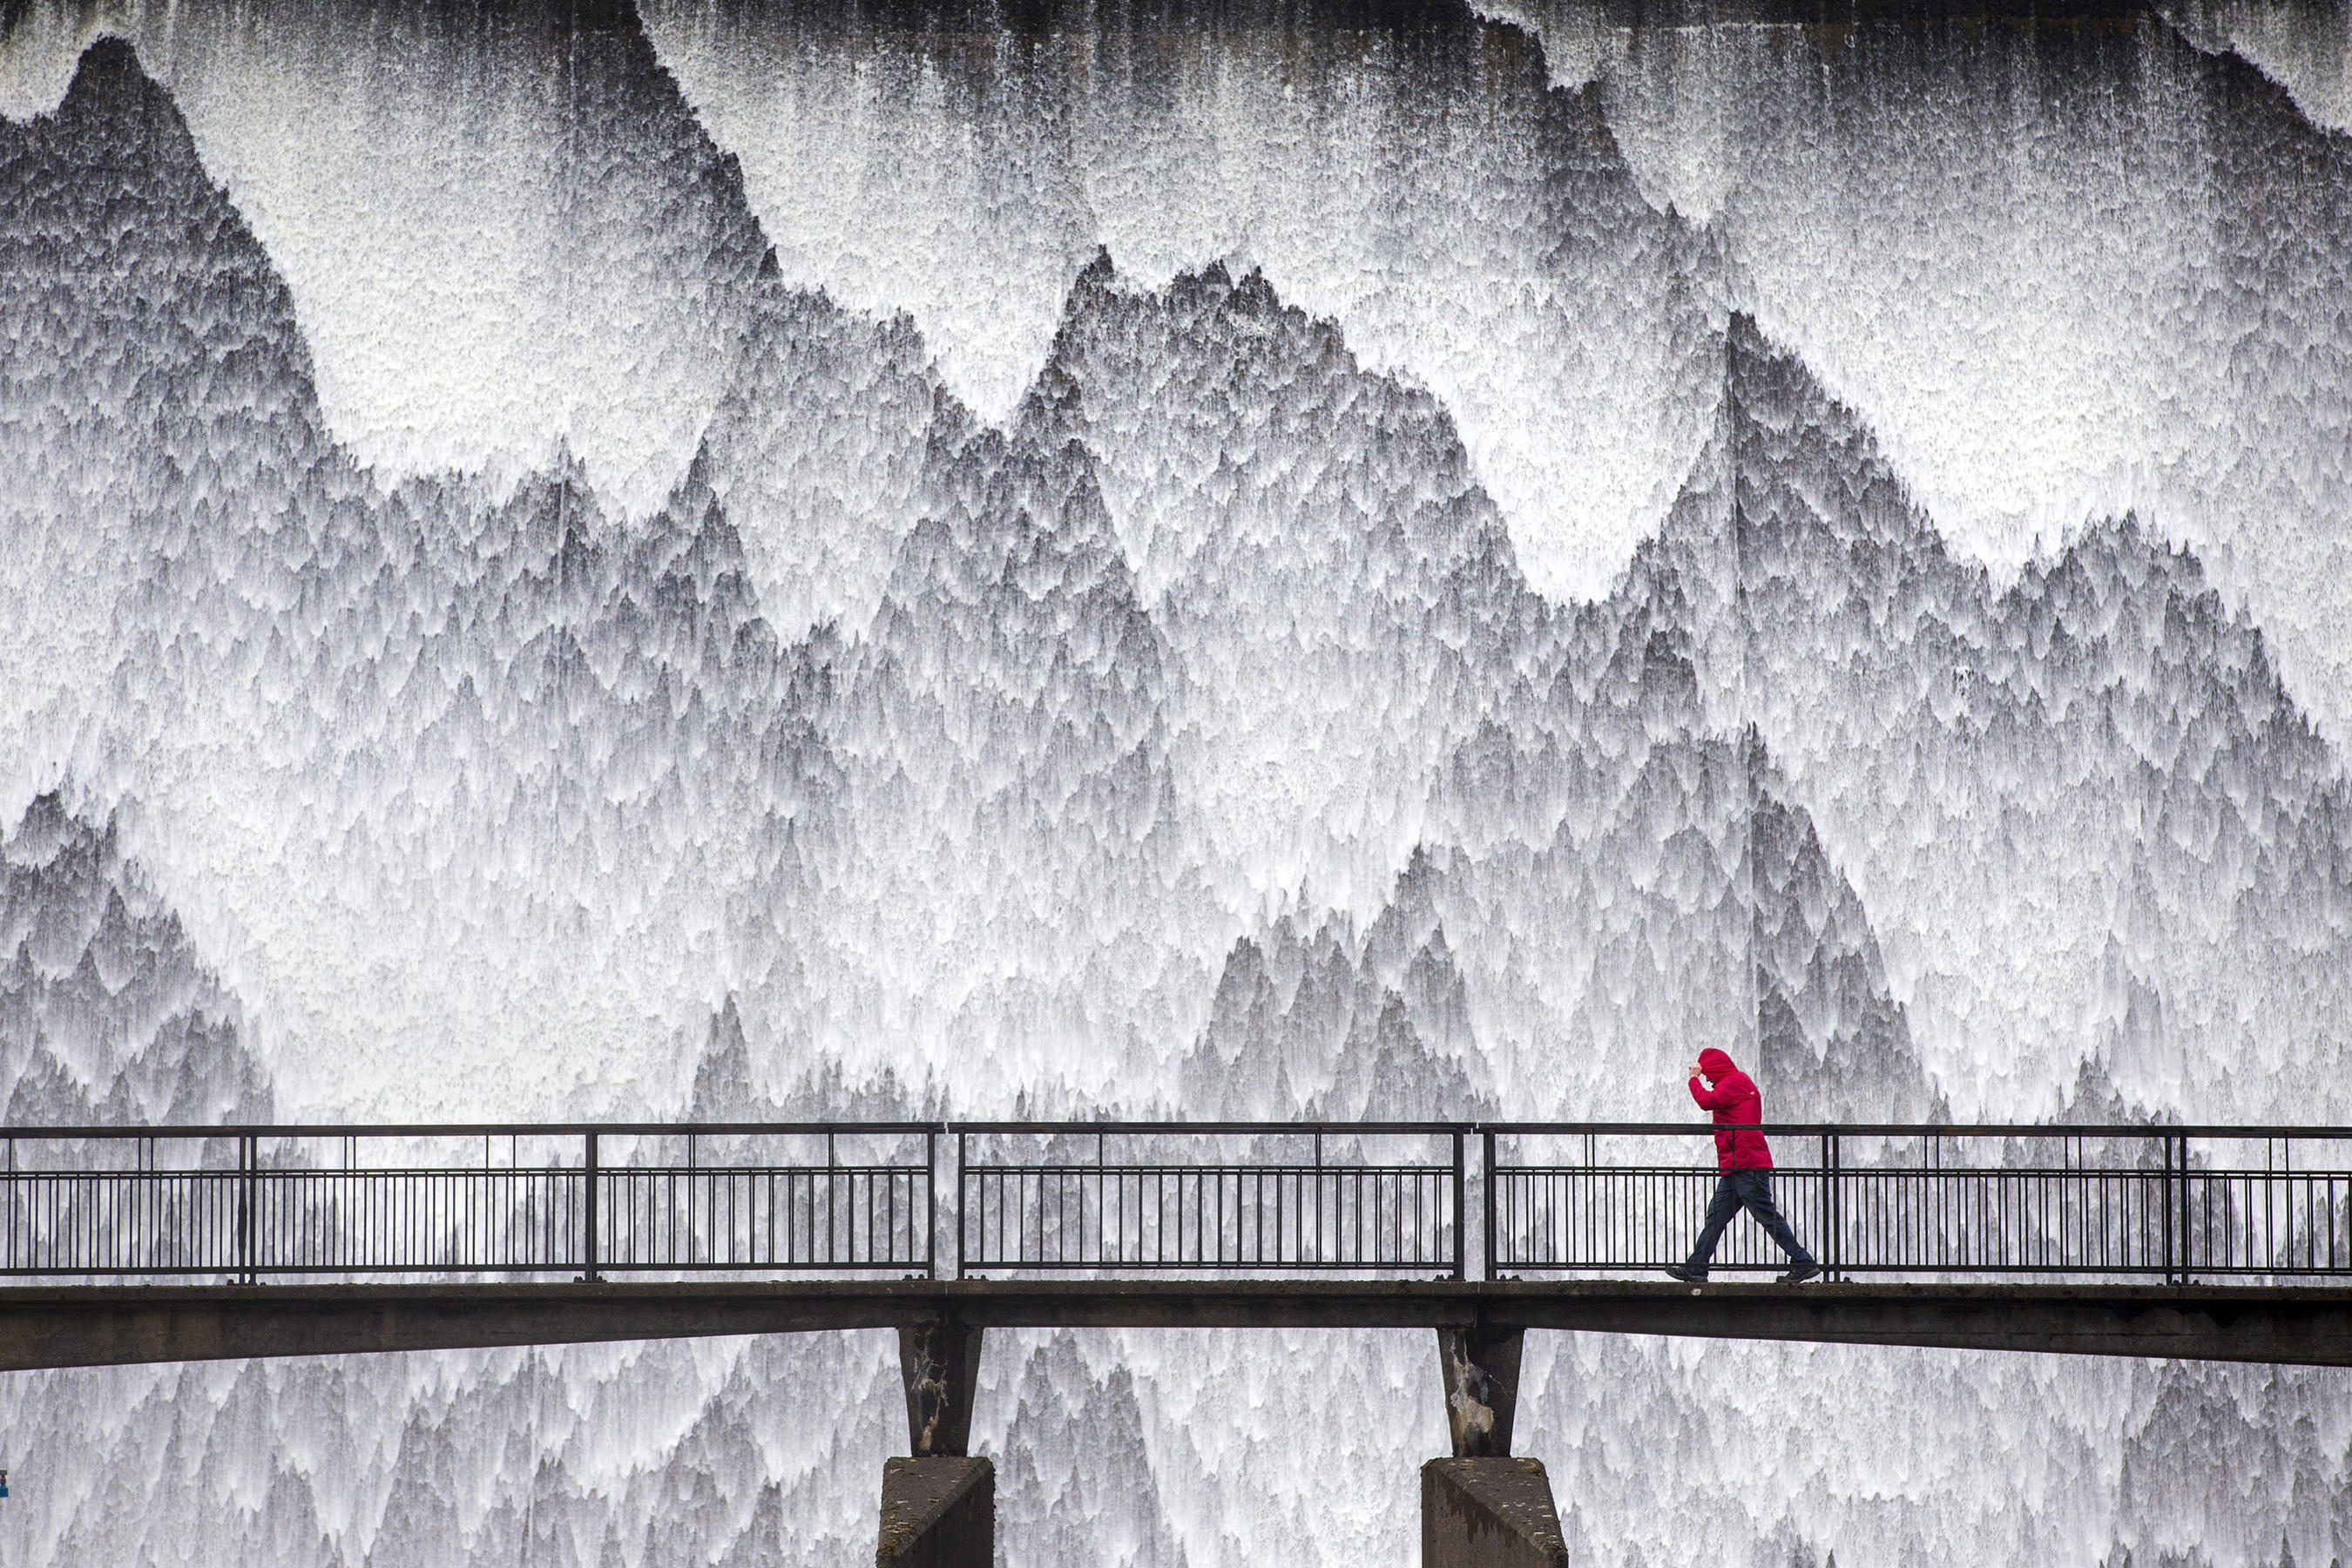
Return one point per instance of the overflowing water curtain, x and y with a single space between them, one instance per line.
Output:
731 560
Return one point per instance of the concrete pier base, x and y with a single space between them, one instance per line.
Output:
1488 1513
939 1506
938 1513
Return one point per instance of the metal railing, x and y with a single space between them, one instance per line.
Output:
1371 1199
2173 1203
453 1201
1287 1197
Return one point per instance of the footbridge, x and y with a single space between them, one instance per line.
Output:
121 1245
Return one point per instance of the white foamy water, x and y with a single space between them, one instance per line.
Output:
1260 568
2052 305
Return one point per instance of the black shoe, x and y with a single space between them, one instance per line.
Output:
1687 1276
1803 1271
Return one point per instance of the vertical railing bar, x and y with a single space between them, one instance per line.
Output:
1382 1190
589 1239
249 1154
1834 1239
962 1202
2281 1246
1368 1215
2188 1205
2168 1209
765 1194
1488 1192
1249 1190
1201 1215
1188 1213
1281 1218
1424 1245
1460 1181
1233 1252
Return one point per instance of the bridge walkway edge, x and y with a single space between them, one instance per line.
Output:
61 1326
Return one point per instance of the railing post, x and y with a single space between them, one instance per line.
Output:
833 1206
1486 1205
962 1192
2167 1208
246 1157
2271 1204
931 1205
1461 1180
589 1230
2187 1208
1831 1178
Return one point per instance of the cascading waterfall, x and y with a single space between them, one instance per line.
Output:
1248 560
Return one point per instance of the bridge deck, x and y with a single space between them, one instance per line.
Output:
158 1244
54 1326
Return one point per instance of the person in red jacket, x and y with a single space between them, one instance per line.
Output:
1746 1162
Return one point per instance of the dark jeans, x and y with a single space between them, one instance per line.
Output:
1751 1190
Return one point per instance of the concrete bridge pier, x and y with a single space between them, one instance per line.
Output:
939 1503
1483 1509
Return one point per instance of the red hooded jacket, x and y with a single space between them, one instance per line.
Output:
1735 1101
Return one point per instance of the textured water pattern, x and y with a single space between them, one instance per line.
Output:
724 560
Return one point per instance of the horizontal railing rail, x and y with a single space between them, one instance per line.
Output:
1409 1199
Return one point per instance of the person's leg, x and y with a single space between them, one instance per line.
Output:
1719 1210
1756 1193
